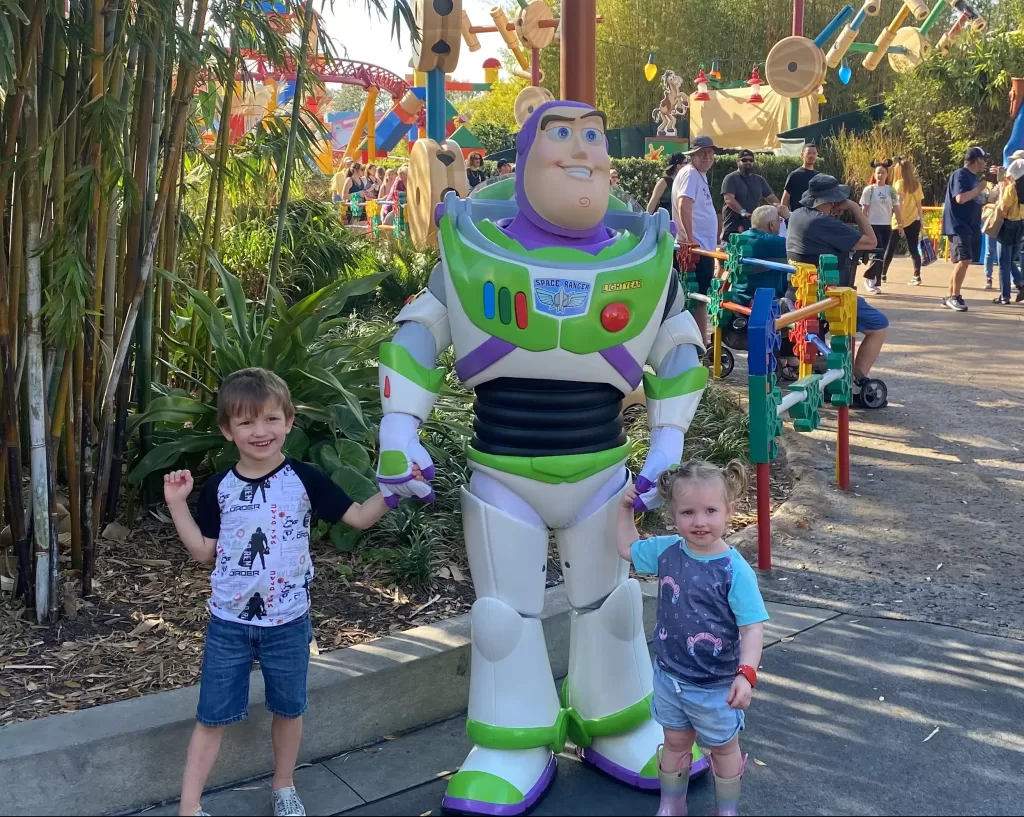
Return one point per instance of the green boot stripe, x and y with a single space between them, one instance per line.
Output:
523 737
401 360
662 388
582 732
552 470
483 787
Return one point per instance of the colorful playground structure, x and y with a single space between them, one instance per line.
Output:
820 303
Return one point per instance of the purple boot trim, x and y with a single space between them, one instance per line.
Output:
486 354
464 806
622 361
631 778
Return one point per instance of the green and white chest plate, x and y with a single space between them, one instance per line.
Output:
554 313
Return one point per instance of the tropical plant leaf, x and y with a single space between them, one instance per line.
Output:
356 485
236 301
163 456
345 537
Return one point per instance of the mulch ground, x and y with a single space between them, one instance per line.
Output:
142 631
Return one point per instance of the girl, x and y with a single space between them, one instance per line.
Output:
475 172
390 175
879 201
907 218
710 615
354 183
372 183
661 196
1011 233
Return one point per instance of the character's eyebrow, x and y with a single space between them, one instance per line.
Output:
554 117
599 114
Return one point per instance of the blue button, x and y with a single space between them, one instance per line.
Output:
489 300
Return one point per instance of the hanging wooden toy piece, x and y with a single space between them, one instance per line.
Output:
528 100
440 23
795 67
434 169
536 24
917 48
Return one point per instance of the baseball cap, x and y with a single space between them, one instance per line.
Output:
677 159
700 143
745 153
972 154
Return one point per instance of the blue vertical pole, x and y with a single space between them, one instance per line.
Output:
436 124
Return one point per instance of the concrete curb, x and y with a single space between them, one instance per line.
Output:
124 755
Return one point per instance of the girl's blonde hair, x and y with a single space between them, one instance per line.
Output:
733 479
904 171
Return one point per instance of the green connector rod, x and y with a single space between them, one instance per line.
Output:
862 48
933 17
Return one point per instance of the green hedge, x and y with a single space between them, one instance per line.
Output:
637 176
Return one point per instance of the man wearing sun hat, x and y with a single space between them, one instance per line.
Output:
695 215
815 230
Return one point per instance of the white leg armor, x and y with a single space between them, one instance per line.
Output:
607 691
515 720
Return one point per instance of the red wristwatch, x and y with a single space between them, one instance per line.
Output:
749 673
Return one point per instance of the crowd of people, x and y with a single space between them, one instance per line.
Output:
804 224
369 183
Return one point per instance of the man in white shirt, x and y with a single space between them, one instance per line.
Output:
695 214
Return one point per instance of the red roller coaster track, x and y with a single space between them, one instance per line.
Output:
342 71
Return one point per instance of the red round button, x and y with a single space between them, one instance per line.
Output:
614 317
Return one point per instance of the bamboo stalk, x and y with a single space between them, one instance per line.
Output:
184 89
74 485
293 129
36 391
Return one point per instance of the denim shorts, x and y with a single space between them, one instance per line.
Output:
869 319
680 705
231 647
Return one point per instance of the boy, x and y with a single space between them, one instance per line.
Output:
253 524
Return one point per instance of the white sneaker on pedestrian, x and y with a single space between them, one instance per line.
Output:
872 287
914 282
287 803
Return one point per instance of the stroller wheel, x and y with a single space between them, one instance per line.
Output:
728 362
873 393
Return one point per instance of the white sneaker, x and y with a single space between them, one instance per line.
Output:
287 803
872 287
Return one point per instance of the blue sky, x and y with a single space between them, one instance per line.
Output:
368 38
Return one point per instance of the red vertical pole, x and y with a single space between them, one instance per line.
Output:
535 67
579 51
798 18
843 448
764 517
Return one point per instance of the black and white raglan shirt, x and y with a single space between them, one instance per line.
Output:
263 567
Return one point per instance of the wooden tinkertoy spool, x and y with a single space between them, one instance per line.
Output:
440 23
795 67
434 169
536 24
917 48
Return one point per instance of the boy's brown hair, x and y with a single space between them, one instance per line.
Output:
244 394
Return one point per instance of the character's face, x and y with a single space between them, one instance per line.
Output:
881 174
810 156
567 170
703 159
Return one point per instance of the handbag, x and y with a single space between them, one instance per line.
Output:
928 254
994 222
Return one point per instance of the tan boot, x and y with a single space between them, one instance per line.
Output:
727 791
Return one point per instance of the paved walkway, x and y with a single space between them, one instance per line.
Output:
933 528
840 725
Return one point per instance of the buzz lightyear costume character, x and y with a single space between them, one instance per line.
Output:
554 305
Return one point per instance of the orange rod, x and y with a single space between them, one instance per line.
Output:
743 310
721 256
805 312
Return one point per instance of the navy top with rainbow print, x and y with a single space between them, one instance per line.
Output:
702 603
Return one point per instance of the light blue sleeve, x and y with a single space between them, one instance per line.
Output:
744 596
645 552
